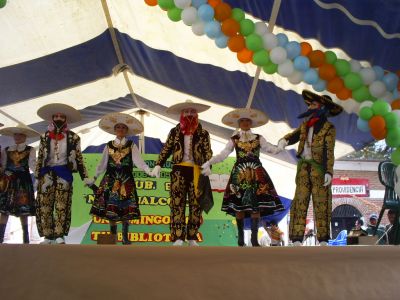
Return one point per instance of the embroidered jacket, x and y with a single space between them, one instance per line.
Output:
201 146
74 154
322 146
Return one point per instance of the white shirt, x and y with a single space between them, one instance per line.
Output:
244 137
19 148
59 157
187 148
307 145
136 157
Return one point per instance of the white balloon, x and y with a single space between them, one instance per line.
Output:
189 15
377 89
286 68
270 41
198 27
368 75
388 97
366 104
261 28
296 77
182 3
278 55
355 65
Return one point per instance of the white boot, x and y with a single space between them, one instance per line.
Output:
178 243
297 243
193 243
46 242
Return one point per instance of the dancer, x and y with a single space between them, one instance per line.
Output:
116 198
59 156
250 191
189 145
316 137
17 195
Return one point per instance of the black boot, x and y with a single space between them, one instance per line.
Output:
239 223
2 231
125 236
254 232
25 233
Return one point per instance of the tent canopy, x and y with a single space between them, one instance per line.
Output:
62 51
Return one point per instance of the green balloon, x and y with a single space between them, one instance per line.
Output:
342 67
361 94
396 157
366 113
270 68
380 108
353 81
247 27
391 120
3 3
261 58
254 42
174 14
330 57
237 14
393 137
166 4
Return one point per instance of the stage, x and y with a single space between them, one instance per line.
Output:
135 272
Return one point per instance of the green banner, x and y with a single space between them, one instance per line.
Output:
217 229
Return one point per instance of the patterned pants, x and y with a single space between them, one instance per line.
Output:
309 181
53 211
182 188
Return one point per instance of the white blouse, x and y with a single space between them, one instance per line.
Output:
245 136
19 148
136 157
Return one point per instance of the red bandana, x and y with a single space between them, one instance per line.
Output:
312 121
56 136
189 124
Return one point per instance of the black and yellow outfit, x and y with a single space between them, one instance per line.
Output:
184 179
311 170
56 162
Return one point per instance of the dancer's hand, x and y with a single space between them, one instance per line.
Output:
282 143
156 171
205 169
89 181
328 179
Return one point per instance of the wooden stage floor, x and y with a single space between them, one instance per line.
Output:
60 272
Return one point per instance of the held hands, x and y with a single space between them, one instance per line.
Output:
328 179
156 171
89 181
206 171
282 143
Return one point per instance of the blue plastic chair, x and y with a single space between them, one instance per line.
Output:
341 239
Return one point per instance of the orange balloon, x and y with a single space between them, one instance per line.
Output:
317 58
236 43
151 2
222 11
245 55
214 3
327 72
305 48
344 94
377 123
379 134
396 104
335 85
230 27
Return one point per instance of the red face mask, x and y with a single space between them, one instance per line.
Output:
189 121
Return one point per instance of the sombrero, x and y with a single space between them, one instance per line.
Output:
334 109
21 129
46 112
257 117
108 122
177 108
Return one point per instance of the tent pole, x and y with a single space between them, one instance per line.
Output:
141 147
118 50
271 25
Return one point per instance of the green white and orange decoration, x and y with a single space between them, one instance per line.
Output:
373 87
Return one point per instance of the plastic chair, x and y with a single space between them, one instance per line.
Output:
341 239
388 178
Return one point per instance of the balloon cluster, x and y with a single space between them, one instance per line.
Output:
375 89
3 3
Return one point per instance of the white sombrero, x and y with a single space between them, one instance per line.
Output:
108 122
21 129
177 108
257 117
46 112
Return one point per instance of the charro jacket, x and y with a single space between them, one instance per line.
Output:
322 146
74 154
201 147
